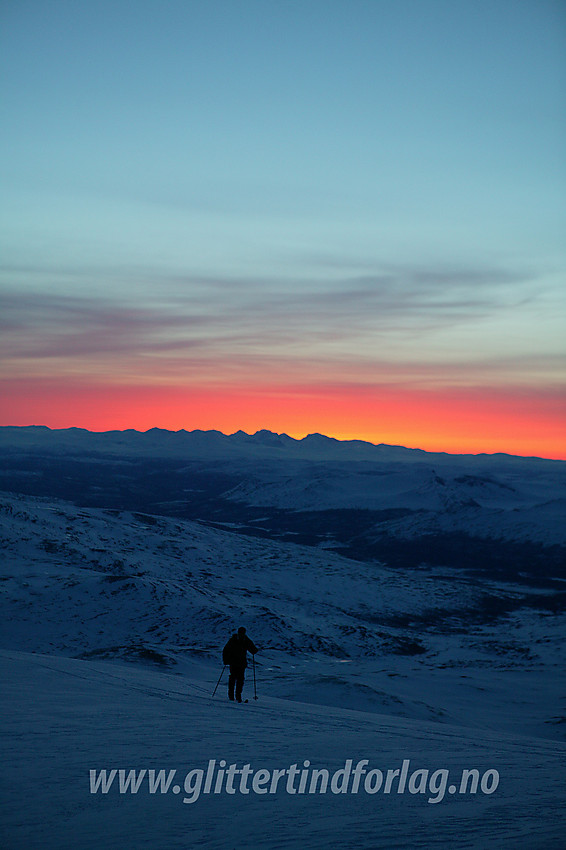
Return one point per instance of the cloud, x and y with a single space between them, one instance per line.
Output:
396 324
42 325
392 302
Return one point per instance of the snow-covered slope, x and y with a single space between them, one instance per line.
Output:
102 584
65 717
527 502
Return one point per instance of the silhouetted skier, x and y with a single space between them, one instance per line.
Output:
235 655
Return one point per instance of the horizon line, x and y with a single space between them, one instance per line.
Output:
283 434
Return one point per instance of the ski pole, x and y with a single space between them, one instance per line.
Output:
218 682
253 665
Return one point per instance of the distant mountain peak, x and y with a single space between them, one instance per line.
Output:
266 438
320 438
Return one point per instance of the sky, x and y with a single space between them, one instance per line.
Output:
334 216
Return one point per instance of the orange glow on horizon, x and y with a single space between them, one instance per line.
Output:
462 421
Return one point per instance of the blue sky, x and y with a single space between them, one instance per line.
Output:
377 188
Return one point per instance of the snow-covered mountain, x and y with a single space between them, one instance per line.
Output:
404 609
485 512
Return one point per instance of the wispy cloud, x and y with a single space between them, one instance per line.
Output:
394 321
40 325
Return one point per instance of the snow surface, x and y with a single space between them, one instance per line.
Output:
68 716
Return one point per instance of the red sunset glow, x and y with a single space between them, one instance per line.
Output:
465 421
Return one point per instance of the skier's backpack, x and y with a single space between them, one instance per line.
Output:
226 652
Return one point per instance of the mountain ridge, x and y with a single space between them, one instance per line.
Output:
159 441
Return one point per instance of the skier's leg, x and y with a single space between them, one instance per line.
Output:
231 682
239 685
